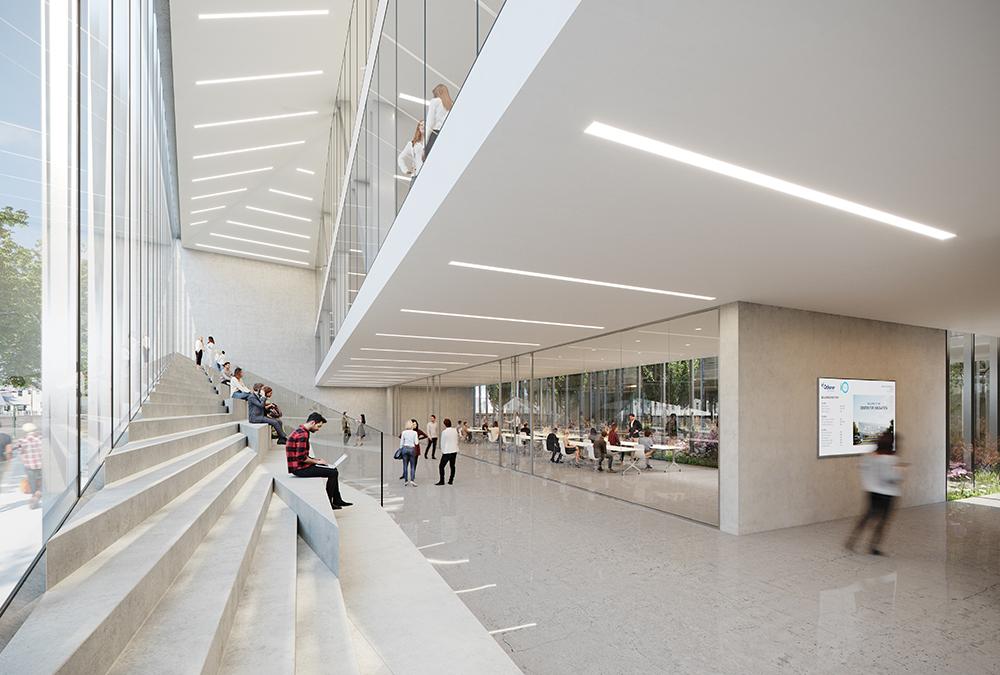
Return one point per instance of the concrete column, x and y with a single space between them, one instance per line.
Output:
729 418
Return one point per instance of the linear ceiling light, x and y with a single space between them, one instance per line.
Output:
355 250
412 99
211 208
219 194
230 175
198 222
760 179
403 178
420 351
259 243
255 78
500 318
357 274
247 120
395 367
257 255
290 194
268 229
577 280
242 150
454 339
445 363
265 15
279 213
306 171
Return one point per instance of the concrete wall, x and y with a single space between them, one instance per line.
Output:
263 315
455 403
770 360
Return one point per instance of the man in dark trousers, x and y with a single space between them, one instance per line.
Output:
258 412
302 465
552 445
634 427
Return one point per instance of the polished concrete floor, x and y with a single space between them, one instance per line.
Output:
616 588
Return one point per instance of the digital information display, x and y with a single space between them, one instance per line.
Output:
853 413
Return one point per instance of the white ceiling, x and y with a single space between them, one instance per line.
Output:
228 48
891 105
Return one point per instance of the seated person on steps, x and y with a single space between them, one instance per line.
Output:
257 406
302 465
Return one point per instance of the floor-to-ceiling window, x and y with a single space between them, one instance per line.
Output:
973 398
90 297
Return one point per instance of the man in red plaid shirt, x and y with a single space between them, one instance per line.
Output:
29 450
302 465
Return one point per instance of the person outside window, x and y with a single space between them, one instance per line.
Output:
432 435
409 445
29 450
449 451
302 465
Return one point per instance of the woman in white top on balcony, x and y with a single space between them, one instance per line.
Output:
412 157
437 111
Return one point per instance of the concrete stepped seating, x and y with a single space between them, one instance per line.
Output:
187 631
136 456
264 632
142 429
122 505
158 410
83 623
323 642
158 396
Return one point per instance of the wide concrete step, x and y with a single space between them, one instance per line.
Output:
323 642
187 381
263 636
201 387
187 631
122 505
136 456
142 429
82 624
204 398
158 410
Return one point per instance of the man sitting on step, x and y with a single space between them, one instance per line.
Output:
256 404
302 465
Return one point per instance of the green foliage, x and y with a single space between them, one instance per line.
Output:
986 483
20 304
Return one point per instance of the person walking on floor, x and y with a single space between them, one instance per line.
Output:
302 465
257 407
449 451
409 445
345 426
199 349
432 435
881 478
361 432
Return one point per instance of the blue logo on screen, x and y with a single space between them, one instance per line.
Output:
844 387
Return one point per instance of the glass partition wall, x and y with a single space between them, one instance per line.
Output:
973 419
388 114
653 392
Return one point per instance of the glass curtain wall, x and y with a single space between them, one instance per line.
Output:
973 398
652 391
91 301
388 114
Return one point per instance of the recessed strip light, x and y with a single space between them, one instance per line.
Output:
211 208
306 171
265 15
248 120
366 367
357 274
259 243
444 363
219 194
420 351
355 250
269 229
290 194
501 318
454 339
279 213
242 150
198 222
403 178
230 175
413 99
255 78
577 280
256 255
760 179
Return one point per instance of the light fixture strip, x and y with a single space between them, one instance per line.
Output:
256 78
211 208
501 318
268 229
420 351
218 194
259 243
279 213
367 367
198 222
577 280
230 175
718 166
264 15
412 99
444 363
243 150
249 120
306 171
454 339
257 255
290 194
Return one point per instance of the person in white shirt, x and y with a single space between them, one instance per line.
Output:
432 438
210 352
412 156
449 451
236 387
199 349
220 360
409 448
437 111
881 478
